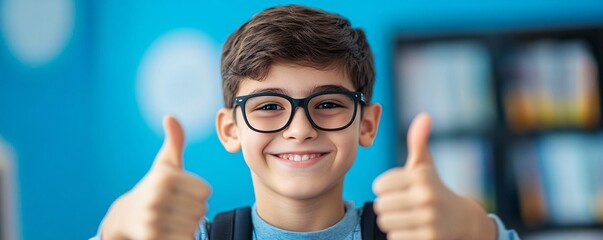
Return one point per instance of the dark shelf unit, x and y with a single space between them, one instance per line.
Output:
500 135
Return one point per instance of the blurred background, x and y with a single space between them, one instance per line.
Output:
513 87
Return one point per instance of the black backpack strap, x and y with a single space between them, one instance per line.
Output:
236 225
368 224
232 225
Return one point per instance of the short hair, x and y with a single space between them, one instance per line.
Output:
301 35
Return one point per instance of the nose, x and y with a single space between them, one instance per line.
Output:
300 129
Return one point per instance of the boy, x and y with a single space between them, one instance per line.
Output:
297 86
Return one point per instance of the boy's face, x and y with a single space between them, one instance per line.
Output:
300 161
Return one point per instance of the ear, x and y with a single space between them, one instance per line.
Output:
369 124
227 130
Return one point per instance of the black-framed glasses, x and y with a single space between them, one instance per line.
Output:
273 112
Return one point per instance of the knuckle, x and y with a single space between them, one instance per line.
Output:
166 180
430 217
390 174
395 235
427 196
382 223
148 230
378 206
155 203
205 189
151 220
201 214
149 234
431 233
200 210
422 177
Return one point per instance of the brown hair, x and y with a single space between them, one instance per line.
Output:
297 34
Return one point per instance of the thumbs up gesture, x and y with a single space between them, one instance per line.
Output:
168 203
413 203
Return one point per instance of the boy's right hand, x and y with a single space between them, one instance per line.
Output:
168 203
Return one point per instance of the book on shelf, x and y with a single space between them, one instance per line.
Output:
449 80
551 84
559 179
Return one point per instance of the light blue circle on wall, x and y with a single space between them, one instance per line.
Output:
179 75
37 31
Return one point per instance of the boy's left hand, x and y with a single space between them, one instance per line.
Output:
413 203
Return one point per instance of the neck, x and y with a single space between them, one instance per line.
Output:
300 215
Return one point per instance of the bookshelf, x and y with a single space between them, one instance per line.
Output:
517 120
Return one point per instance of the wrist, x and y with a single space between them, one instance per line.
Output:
110 225
480 225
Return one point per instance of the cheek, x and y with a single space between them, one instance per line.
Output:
352 135
253 143
347 143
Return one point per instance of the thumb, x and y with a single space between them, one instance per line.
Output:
173 144
418 141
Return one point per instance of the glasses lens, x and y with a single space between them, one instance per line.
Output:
267 113
331 111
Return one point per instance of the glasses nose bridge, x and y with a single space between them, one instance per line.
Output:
299 102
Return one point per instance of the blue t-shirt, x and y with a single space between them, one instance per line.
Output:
348 228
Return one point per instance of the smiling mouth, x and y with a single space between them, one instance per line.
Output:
299 157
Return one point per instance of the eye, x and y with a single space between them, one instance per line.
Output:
270 107
327 105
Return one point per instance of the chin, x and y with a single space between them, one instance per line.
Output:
304 191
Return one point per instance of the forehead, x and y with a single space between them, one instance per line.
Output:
296 80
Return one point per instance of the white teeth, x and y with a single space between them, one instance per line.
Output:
298 158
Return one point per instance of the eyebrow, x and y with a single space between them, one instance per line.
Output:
322 88
269 90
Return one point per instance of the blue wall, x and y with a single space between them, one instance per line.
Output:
80 135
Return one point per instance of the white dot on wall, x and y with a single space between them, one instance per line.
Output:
36 31
179 75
